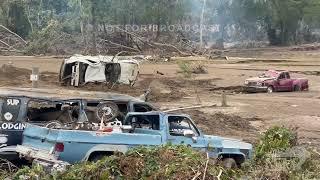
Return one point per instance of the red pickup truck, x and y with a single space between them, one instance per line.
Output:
274 81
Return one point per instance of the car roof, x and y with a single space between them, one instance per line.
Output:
156 113
63 94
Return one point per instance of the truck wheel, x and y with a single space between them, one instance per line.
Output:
107 111
97 157
270 89
297 88
229 163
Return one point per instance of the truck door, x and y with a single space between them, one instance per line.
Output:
284 82
183 131
11 125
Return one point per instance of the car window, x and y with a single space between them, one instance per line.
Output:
142 107
44 111
282 76
144 121
178 124
92 105
287 75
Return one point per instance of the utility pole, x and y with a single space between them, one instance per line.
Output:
201 23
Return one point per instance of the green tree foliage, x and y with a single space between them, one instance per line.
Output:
311 13
41 41
17 18
283 22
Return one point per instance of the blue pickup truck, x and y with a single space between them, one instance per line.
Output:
58 147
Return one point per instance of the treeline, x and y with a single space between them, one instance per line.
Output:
192 23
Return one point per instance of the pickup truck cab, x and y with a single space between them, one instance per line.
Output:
58 147
275 81
19 106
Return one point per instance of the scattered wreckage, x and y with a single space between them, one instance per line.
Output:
66 109
79 70
275 81
57 148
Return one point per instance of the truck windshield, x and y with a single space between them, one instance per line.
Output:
269 74
178 124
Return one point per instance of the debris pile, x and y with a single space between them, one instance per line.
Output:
10 71
10 41
307 47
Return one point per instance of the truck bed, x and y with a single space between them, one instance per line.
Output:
44 139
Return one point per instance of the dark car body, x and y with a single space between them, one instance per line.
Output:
42 106
275 81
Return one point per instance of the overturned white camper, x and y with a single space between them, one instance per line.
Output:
79 70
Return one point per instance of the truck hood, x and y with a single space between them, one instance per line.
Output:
258 79
229 142
234 143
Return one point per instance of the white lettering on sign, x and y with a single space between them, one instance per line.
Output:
11 126
12 102
34 77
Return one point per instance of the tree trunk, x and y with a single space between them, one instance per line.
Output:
94 26
201 24
82 26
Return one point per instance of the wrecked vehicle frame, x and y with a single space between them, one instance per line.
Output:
79 70
54 107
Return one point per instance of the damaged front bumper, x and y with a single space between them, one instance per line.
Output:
256 88
44 158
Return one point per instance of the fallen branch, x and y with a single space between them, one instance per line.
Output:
152 44
219 175
132 34
117 55
206 167
5 43
9 166
196 176
120 45
170 45
192 107
315 151
25 42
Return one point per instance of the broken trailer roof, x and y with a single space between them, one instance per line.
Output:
63 94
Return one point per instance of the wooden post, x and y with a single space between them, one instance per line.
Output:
34 77
224 100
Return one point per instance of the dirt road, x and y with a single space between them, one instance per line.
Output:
247 114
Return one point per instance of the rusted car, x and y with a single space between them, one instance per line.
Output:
275 81
58 108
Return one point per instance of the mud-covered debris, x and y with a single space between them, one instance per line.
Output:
228 89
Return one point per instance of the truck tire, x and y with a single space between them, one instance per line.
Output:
97 157
107 111
296 88
229 163
270 89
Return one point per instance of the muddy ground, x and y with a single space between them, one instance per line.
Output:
246 116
